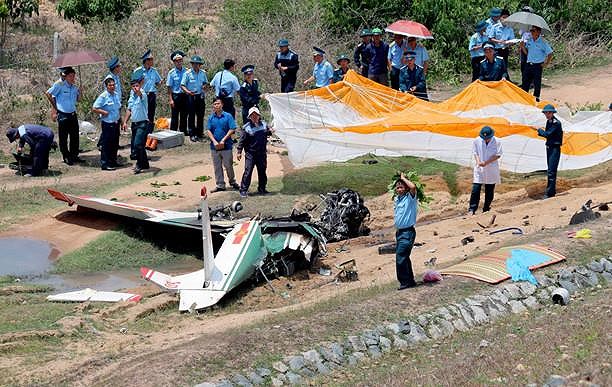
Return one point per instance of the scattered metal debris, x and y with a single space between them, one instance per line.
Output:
467 239
490 224
515 230
343 216
387 249
348 271
430 262
585 214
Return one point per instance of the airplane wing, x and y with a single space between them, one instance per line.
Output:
94 295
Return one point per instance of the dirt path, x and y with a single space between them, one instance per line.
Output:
579 89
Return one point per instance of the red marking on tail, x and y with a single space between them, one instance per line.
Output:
135 298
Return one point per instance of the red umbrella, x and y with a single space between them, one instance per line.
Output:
77 58
409 28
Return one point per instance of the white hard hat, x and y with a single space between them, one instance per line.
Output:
254 110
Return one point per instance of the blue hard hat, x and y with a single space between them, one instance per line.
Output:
481 25
365 32
343 57
495 12
549 108
283 43
196 59
486 132
137 76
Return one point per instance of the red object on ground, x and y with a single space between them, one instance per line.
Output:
77 58
409 28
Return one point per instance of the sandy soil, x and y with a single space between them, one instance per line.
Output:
579 89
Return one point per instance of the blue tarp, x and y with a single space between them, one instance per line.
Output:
519 262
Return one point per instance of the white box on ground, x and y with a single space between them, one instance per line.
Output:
168 138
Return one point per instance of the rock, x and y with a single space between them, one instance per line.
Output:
323 369
399 343
434 331
543 295
513 291
607 277
356 343
205 384
532 303
607 265
374 351
404 326
393 327
293 378
370 337
586 278
517 306
224 383
444 313
312 357
277 382
296 363
527 288
494 310
280 367
460 326
423 319
544 280
264 372
385 344
360 356
483 344
255 378
446 327
333 353
499 295
466 316
241 380
595 266
472 302
480 316
453 310
307 372
555 381
417 334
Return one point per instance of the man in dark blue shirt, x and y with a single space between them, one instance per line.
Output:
287 63
378 51
492 68
39 138
249 91
412 77
554 139
221 126
253 139
361 56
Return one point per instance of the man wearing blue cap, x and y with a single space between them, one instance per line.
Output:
476 47
378 50
412 77
226 86
421 54
494 16
287 63
152 79
137 111
63 97
322 72
395 59
339 73
554 139
40 139
114 66
108 107
361 56
194 84
249 91
176 97
492 68
487 150
539 55
502 37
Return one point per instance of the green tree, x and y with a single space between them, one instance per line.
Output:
351 15
86 11
15 12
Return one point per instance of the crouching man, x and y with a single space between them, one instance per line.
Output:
39 138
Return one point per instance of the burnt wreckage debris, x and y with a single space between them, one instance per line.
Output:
343 216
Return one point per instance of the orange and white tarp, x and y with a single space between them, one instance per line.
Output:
358 116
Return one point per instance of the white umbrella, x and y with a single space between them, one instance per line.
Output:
524 20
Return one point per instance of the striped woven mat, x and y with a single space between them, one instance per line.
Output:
491 267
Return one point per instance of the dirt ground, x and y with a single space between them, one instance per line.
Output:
439 231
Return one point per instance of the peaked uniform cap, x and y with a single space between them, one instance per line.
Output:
283 43
177 54
147 55
247 69
113 63
196 59
365 32
343 57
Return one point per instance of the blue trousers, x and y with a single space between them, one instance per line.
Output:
151 106
532 74
252 160
195 115
40 156
475 197
179 113
109 144
404 241
395 78
140 131
553 154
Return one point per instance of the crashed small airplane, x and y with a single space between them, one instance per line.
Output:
252 249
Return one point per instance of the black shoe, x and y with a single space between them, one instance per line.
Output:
403 287
263 191
68 161
108 168
235 186
78 160
217 189
194 139
137 171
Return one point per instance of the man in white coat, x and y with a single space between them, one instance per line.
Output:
487 150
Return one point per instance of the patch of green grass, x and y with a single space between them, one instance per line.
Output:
24 312
368 179
120 249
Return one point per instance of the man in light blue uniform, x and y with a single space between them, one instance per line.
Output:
405 212
114 66
502 36
193 84
137 110
152 79
494 16
108 106
476 46
176 97
421 55
539 55
322 72
394 59
226 86
63 97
